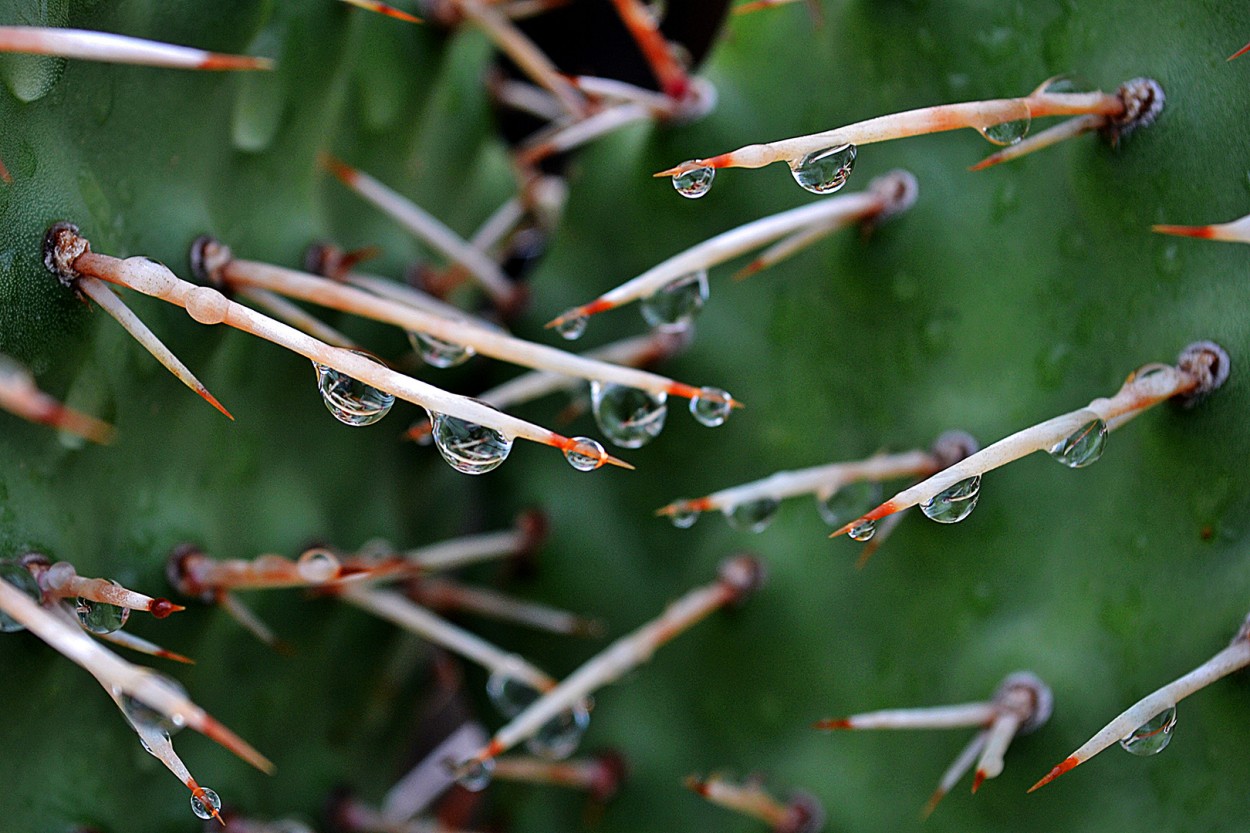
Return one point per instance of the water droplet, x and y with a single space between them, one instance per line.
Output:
1083 447
18 576
469 448
685 516
260 97
752 515
351 401
711 407
1009 130
557 738
206 803
1153 736
851 501
438 353
694 183
629 417
506 691
145 718
585 454
475 776
953 504
863 531
317 566
825 171
98 617
31 77
673 307
573 326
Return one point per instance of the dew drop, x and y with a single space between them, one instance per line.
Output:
557 738
825 171
685 516
438 353
629 417
1153 736
851 501
18 576
506 691
206 803
475 776
585 454
317 566
573 326
673 308
99 617
695 182
351 401
863 531
752 515
1083 447
469 448
145 718
711 406
953 504
1011 130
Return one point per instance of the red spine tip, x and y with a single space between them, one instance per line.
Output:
1068 763
1201 232
977 780
160 608
832 724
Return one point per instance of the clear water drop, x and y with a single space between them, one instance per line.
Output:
351 401
573 326
953 504
557 738
851 501
585 454
318 566
752 515
629 417
863 531
206 803
475 776
469 448
98 617
1082 447
673 307
144 717
711 406
695 182
18 576
506 691
1011 130
684 517
438 353
825 171
1153 736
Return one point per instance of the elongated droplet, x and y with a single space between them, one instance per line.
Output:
863 531
573 326
953 504
351 401
1083 447
711 407
438 353
851 501
684 517
1153 736
694 183
476 775
629 417
201 804
1011 130
753 515
144 717
99 617
586 454
825 171
469 448
674 307
18 576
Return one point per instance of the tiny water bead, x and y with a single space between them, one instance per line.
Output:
475 776
573 326
695 182
559 737
585 454
1083 447
18 576
205 804
98 617
629 417
954 503
1009 131
825 171
438 353
469 448
684 517
863 531
351 401
1153 736
318 566
850 501
753 515
711 406
673 307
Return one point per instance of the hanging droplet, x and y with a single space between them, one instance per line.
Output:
629 417
351 401
560 736
1153 736
684 517
475 776
206 804
695 182
438 353
98 617
711 406
506 690
18 576
1011 130
752 515
469 448
953 504
825 171
585 454
851 501
1083 447
673 307
145 718
863 531
573 326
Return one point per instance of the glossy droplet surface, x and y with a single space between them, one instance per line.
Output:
438 353
572 327
849 502
629 417
1083 447
469 448
1010 130
684 517
18 576
506 690
753 515
711 407
144 717
674 307
99 617
1153 736
317 566
695 182
825 171
863 531
586 454
206 803
559 737
351 401
954 503
475 776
